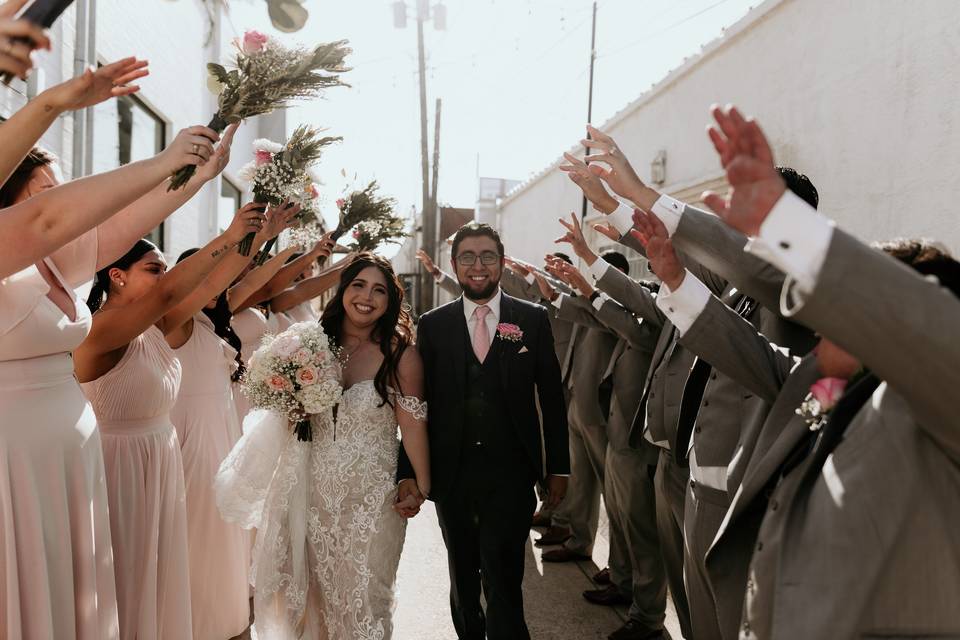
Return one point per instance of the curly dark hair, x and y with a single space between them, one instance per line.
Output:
394 329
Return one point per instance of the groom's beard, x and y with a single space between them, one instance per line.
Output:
479 294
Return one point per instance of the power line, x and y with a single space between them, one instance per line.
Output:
659 32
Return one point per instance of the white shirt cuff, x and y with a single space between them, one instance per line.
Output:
684 305
559 301
529 278
622 218
600 300
795 239
669 210
598 269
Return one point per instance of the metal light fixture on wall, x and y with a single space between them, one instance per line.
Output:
658 168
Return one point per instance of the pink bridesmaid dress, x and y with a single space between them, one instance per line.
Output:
208 427
56 563
303 312
250 325
148 515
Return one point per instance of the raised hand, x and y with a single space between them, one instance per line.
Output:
576 279
655 238
248 219
591 185
516 266
324 247
427 263
574 237
14 53
277 218
192 146
546 289
607 230
755 185
620 176
96 85
220 157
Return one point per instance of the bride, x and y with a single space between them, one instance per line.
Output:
329 535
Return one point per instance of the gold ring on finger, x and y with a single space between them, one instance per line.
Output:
196 149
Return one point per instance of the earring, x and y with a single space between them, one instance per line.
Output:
122 283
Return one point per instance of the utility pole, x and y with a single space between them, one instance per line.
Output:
436 175
593 58
423 13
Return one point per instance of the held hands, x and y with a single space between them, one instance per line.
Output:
192 146
574 237
248 219
15 56
755 185
409 498
556 491
220 157
96 85
653 235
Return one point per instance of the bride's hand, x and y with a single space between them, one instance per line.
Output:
409 498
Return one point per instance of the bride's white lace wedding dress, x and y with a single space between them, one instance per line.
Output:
328 541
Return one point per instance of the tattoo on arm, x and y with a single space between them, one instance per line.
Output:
220 251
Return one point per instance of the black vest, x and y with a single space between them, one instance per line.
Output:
487 420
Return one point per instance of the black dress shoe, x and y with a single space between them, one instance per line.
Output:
634 630
602 577
553 536
541 519
609 596
563 555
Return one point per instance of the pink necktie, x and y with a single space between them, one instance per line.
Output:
481 335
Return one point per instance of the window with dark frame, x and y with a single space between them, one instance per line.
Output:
231 199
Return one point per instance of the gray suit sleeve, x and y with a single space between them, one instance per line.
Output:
517 287
632 295
732 345
449 284
900 325
708 243
635 331
578 310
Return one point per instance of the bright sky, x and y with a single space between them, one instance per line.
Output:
512 75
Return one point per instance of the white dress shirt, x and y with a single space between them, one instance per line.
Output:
492 319
684 305
668 209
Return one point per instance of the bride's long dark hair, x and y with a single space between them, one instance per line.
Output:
393 331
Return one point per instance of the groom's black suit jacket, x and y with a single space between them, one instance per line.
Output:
443 342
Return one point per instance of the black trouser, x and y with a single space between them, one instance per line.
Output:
485 520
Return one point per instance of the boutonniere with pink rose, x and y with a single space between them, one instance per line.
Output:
823 397
509 332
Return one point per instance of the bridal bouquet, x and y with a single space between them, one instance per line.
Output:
295 374
282 172
266 77
370 234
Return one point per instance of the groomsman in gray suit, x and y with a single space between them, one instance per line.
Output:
849 501
583 368
629 480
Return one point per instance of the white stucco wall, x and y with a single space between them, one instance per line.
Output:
858 94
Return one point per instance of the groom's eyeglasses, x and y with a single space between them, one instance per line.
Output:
469 258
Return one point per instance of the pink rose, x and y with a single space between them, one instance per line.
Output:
827 392
313 192
278 383
340 203
263 157
301 357
254 42
510 332
285 346
307 376
356 234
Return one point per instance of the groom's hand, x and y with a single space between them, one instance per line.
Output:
556 490
409 498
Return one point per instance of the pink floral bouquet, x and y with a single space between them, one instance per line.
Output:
823 397
509 332
295 374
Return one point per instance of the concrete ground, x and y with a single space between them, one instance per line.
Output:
553 604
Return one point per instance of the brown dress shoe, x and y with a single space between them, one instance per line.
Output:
541 519
553 536
634 630
608 597
563 555
602 577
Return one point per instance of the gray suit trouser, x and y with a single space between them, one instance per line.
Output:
671 483
580 509
705 510
631 499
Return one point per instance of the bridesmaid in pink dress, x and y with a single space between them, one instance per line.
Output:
131 376
56 563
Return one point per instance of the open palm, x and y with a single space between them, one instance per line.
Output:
94 86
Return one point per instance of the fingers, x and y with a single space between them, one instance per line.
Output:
10 8
127 72
575 162
206 132
598 135
566 225
201 146
12 65
28 30
715 203
227 140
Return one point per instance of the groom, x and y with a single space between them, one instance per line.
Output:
487 360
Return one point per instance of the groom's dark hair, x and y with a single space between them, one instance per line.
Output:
475 229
